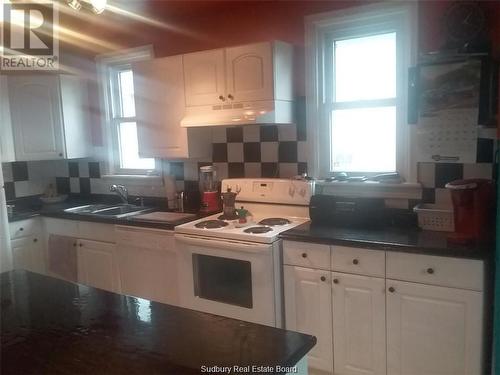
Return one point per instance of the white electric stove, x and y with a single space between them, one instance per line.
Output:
233 269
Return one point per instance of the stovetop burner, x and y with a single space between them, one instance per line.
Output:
274 221
211 224
258 230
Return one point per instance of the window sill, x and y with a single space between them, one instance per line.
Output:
134 180
371 189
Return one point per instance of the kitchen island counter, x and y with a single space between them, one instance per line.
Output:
49 326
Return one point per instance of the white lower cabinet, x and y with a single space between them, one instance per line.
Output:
358 324
27 245
147 264
28 254
308 309
97 265
386 313
433 330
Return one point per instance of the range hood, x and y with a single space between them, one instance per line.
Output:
257 112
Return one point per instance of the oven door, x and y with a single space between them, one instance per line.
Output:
230 278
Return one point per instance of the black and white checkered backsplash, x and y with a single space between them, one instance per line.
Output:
250 151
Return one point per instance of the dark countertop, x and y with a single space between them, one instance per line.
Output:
57 211
411 240
50 326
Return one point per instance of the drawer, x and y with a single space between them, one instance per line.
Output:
306 254
96 231
435 270
144 238
358 261
24 228
61 227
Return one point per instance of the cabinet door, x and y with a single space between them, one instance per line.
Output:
433 330
358 324
6 137
204 77
308 309
36 117
159 95
97 265
28 254
249 72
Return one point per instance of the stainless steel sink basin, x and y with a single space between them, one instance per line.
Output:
105 210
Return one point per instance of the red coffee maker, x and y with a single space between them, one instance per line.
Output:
474 209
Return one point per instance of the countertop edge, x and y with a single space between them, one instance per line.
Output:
485 255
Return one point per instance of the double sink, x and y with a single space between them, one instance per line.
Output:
116 211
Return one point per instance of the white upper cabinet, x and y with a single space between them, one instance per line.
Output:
433 330
249 72
6 136
160 105
204 78
308 309
358 325
48 114
253 72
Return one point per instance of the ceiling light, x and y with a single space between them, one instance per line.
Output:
75 4
98 6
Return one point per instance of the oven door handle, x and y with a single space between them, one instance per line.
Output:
222 244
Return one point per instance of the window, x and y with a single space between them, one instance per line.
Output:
358 69
118 90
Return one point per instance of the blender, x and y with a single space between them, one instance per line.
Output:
209 189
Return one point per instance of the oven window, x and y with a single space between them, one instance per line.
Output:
223 280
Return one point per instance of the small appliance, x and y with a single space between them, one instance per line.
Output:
228 205
210 199
346 211
473 204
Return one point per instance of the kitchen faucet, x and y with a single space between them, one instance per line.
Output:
121 191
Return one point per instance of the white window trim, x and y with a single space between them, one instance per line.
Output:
378 16
104 62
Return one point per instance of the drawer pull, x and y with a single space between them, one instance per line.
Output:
323 278
430 271
21 229
355 261
304 255
335 281
391 289
35 239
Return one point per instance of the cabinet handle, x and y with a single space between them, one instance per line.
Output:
304 255
230 96
222 98
335 281
391 289
35 239
355 261
74 244
21 229
323 278
80 244
430 271
60 154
